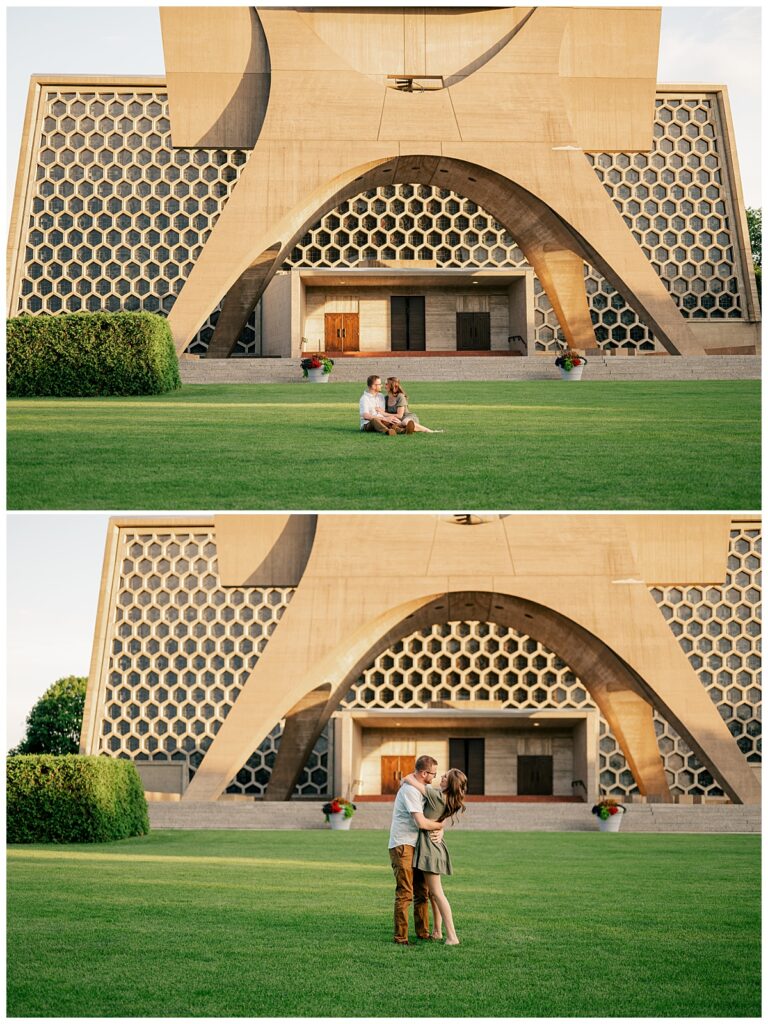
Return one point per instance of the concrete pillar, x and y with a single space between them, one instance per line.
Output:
562 277
303 725
631 721
239 302
586 733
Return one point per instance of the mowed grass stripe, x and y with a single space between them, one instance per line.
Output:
299 924
537 445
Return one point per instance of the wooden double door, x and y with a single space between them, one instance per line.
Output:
342 332
473 332
393 768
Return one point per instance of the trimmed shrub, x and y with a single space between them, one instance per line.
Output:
86 354
73 799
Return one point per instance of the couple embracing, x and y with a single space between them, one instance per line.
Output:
388 413
416 849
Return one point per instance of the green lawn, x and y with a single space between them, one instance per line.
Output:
533 445
299 924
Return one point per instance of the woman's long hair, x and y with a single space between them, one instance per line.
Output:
398 388
454 793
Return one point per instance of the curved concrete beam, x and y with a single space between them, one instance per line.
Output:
611 683
217 75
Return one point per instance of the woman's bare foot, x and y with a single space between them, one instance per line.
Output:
452 942
436 935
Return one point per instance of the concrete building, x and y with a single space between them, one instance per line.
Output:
378 179
549 655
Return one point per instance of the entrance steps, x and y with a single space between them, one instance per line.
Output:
452 367
480 816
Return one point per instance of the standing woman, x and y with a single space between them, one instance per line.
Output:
397 405
432 858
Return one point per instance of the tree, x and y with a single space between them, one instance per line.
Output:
755 224
54 723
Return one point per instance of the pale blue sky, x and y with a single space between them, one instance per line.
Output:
54 571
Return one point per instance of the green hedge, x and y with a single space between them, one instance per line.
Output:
87 354
73 799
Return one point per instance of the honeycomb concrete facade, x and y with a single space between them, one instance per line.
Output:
118 217
176 644
114 216
112 213
182 647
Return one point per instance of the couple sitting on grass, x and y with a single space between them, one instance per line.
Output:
388 414
417 852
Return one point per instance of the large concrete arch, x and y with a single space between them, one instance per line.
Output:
624 699
584 581
498 130
555 250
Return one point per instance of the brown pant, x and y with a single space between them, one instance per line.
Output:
409 887
381 428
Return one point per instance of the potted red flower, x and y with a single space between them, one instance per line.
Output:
338 813
570 363
317 368
609 814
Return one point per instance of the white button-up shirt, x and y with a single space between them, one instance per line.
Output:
370 403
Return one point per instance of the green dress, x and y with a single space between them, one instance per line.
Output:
394 403
429 856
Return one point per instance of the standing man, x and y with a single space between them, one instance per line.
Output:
373 415
407 819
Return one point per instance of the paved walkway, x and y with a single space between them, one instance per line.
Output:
463 368
483 816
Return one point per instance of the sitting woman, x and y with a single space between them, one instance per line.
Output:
397 405
431 857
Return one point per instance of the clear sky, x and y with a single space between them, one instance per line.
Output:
54 571
698 44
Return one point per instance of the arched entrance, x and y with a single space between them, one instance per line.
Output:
611 685
479 696
554 248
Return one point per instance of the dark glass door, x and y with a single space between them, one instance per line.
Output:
407 323
469 757
473 332
534 775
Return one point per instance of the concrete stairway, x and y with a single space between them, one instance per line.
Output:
465 368
415 368
501 817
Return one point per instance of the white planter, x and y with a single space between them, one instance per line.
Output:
337 820
574 374
612 823
317 376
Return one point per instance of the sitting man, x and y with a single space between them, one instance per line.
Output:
373 416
